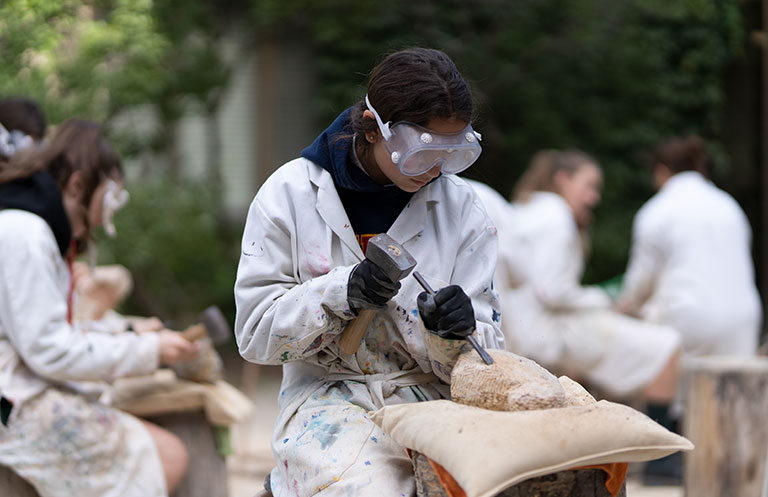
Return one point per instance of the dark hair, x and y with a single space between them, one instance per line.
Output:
76 146
414 85
23 114
544 166
686 153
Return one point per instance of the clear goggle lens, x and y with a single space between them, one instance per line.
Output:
115 198
416 150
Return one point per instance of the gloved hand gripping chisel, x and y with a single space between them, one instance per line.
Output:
468 333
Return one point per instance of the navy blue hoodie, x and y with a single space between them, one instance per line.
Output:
39 195
372 208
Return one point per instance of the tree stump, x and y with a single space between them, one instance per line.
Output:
207 472
575 483
725 416
12 484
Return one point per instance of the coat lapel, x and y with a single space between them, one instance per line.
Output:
412 220
332 211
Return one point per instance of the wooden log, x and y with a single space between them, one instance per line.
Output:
12 484
207 472
725 416
575 483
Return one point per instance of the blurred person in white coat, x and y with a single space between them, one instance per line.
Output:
690 266
385 165
550 317
61 441
509 271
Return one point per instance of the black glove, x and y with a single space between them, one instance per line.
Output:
369 288
448 313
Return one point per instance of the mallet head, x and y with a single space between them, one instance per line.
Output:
390 257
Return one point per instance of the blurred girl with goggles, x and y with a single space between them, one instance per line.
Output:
303 276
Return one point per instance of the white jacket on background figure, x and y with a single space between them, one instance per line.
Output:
551 318
691 267
60 442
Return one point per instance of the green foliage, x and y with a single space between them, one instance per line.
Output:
612 78
98 59
182 257
95 59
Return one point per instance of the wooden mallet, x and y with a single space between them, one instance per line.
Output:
396 263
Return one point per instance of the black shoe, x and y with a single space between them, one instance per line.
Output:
665 471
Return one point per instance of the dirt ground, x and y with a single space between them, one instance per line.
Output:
253 459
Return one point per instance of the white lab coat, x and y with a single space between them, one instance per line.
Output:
291 293
691 267
554 320
510 269
89 450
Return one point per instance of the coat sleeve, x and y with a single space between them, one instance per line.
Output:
557 269
278 318
645 263
34 313
473 271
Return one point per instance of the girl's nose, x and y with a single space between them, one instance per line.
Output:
434 172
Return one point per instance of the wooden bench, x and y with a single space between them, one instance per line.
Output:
206 475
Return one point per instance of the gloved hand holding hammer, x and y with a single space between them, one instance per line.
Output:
369 287
372 283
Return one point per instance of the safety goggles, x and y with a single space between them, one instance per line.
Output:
115 198
415 149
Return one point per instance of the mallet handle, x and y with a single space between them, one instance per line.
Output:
353 333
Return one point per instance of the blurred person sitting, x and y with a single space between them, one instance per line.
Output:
548 315
501 212
61 442
690 265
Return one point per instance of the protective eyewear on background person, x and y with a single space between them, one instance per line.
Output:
115 198
415 149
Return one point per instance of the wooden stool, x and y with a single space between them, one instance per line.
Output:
724 417
577 483
12 484
207 472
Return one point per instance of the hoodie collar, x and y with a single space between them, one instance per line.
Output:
332 151
39 195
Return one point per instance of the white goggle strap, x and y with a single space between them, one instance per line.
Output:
384 127
13 141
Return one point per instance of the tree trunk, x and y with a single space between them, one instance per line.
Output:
725 418
576 483
207 472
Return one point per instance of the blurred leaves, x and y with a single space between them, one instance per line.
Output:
94 59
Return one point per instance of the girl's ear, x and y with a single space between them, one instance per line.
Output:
367 114
560 180
75 186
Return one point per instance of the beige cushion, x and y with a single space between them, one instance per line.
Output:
487 451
